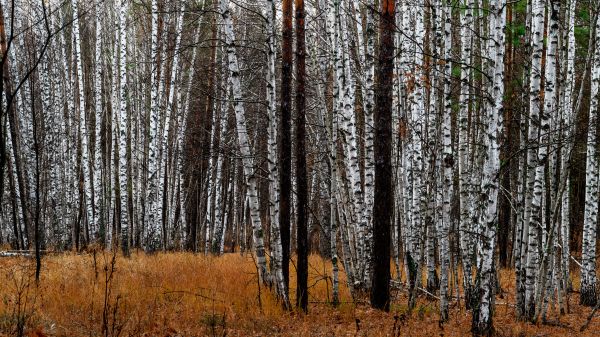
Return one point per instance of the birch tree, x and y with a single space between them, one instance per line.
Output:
588 250
243 141
482 315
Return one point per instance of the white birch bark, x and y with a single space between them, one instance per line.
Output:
83 129
369 90
489 185
448 165
346 207
183 117
351 148
152 223
567 116
333 188
432 145
536 156
123 123
550 99
404 75
215 182
271 100
244 143
466 201
416 96
167 212
219 195
588 249
97 172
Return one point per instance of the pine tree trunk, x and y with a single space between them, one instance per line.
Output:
285 154
301 175
384 199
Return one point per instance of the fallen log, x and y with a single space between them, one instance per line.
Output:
23 253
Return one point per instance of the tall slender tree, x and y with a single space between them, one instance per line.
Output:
243 140
588 249
384 198
285 154
486 273
301 176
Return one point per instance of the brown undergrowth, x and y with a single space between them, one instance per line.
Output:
182 294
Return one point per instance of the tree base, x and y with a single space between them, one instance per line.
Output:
588 295
483 330
433 282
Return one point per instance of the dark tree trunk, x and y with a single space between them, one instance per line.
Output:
15 133
506 157
301 210
3 66
384 198
285 154
37 151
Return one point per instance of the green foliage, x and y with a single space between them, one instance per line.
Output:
582 35
584 14
456 71
477 74
455 106
518 31
520 6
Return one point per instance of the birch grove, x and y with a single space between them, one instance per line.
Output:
422 146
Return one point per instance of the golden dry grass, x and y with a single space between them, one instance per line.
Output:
182 294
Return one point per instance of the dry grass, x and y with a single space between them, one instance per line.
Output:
181 294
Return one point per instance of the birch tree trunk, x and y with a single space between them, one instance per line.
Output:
417 103
272 153
98 190
535 168
244 142
482 315
588 250
152 199
567 120
87 215
550 99
448 165
466 201
122 131
369 90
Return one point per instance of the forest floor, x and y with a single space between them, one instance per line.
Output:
181 294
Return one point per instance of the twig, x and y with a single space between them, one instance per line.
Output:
186 292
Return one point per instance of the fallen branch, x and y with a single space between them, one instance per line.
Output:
558 324
589 319
428 293
15 253
186 292
24 253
